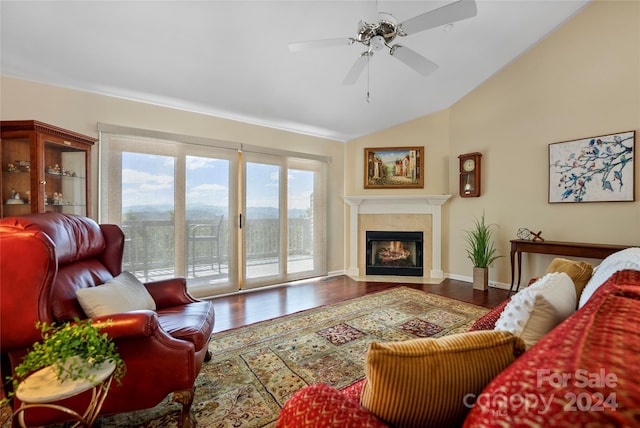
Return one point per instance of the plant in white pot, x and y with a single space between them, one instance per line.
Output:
481 251
73 349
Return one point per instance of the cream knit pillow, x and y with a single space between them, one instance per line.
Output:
536 310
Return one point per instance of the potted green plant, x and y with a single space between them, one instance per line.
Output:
481 251
73 349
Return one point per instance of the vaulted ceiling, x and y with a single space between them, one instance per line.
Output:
231 58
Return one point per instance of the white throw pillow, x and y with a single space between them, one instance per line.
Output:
536 310
121 294
627 259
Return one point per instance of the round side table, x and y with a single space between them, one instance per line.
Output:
43 389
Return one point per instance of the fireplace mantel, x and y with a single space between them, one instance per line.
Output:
394 204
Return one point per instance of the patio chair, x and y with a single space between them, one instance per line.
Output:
207 233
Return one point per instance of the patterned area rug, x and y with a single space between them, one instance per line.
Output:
256 369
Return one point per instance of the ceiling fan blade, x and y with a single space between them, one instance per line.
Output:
452 12
414 60
357 69
300 46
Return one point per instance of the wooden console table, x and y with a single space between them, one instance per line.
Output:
558 248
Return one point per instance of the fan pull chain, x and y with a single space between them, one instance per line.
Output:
368 78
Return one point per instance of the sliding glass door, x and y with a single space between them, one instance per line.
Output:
283 225
210 222
305 219
262 221
177 206
223 219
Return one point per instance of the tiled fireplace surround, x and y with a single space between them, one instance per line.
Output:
396 213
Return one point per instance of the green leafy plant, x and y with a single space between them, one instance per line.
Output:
73 348
480 247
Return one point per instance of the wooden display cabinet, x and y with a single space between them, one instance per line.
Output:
44 168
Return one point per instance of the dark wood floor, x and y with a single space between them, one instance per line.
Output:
245 308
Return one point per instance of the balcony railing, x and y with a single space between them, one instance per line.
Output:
150 251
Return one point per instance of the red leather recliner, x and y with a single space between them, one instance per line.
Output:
45 258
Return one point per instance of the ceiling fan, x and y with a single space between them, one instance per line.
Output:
380 35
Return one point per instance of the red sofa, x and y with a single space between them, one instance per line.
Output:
585 372
45 258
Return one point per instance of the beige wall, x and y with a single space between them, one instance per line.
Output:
81 111
431 132
583 80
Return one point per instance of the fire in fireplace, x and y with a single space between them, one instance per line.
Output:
394 253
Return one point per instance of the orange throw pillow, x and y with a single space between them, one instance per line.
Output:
579 272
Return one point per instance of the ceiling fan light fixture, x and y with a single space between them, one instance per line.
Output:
377 43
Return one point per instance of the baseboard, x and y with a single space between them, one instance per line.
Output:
337 273
494 284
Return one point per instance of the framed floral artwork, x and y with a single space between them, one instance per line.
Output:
596 169
394 167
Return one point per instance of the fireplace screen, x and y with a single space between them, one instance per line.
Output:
394 253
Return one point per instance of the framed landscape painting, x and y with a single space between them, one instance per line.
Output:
596 169
394 167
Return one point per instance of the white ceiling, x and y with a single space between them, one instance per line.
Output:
230 58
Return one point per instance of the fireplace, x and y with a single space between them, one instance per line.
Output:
383 212
394 253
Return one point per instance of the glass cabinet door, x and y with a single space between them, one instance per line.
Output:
65 179
16 176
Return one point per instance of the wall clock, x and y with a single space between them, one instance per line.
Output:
470 174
